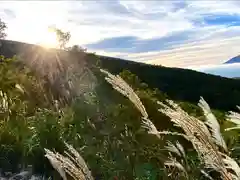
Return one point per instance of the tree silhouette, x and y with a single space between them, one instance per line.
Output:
62 37
3 27
77 49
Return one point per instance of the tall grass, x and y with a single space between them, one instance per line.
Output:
117 140
205 137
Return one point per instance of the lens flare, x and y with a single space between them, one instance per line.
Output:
49 39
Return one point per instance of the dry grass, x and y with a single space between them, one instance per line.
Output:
234 117
71 163
205 137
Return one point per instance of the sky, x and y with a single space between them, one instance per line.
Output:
225 70
185 34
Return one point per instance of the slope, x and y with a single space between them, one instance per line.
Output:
178 84
181 84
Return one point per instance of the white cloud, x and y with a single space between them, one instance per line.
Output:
90 21
199 53
225 70
215 7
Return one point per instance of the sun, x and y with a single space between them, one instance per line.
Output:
49 39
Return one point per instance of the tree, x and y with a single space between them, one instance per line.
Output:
62 37
77 49
3 27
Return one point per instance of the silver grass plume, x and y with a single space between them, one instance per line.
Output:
176 148
71 163
122 87
195 130
206 174
20 88
172 134
55 160
214 126
232 165
212 123
199 135
172 162
150 127
4 102
234 117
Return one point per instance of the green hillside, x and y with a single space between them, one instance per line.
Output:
48 97
181 84
178 84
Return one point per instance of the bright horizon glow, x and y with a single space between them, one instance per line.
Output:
225 70
48 39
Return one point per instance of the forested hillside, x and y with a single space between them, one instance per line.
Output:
178 84
181 84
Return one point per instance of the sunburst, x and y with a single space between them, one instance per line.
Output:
49 39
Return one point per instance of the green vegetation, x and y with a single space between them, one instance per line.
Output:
137 134
181 84
104 127
3 28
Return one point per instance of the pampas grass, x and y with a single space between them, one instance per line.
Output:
201 139
70 163
4 104
212 123
205 137
176 148
121 86
234 117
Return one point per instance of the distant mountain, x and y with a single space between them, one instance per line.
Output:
233 60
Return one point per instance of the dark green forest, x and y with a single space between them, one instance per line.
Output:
181 84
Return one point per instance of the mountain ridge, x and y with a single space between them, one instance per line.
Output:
179 84
235 59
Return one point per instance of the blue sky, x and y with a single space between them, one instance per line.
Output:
171 33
